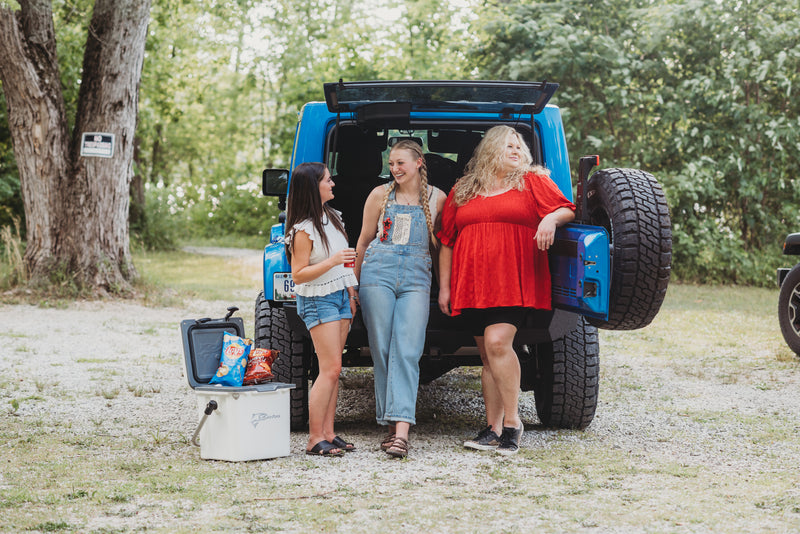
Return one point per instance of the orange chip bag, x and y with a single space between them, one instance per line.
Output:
259 366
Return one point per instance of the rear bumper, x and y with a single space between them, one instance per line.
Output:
446 337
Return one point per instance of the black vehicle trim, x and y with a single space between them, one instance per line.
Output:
791 246
425 124
479 96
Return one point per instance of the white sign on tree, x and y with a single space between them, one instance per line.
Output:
98 145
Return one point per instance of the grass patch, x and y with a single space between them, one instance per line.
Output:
729 335
52 526
169 278
230 241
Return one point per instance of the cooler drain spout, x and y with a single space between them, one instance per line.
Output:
210 407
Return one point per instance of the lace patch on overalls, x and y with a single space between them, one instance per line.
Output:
402 229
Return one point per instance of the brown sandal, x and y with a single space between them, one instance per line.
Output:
387 441
399 448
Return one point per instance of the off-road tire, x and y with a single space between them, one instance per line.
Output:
272 332
631 205
565 378
789 309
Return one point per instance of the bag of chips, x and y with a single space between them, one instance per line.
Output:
259 366
233 361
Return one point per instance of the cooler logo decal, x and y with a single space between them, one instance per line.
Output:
259 417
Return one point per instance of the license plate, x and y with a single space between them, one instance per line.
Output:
283 287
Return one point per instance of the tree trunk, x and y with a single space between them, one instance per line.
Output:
37 120
76 207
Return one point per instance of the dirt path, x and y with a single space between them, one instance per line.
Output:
697 437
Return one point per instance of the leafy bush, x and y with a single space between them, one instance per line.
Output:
233 209
157 229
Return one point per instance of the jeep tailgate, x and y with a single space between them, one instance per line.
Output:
580 261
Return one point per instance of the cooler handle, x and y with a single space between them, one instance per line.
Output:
210 407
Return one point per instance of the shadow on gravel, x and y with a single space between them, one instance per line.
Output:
450 404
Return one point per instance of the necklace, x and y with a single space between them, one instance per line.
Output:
402 201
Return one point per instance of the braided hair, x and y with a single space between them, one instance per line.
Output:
416 152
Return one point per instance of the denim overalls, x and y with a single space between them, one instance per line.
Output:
394 290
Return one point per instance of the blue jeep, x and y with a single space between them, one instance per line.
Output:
610 269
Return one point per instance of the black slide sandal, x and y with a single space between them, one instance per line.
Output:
324 448
342 444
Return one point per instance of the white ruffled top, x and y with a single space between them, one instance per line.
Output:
336 278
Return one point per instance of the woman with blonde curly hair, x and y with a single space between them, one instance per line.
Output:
497 224
393 264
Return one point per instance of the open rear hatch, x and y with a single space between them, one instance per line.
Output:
381 99
579 260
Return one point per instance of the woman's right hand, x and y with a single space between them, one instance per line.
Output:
346 255
444 300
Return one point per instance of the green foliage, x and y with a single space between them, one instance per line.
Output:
10 197
230 209
205 136
71 20
699 92
156 228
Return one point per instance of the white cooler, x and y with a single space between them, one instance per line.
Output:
236 424
249 423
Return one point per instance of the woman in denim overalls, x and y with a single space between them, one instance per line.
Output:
394 269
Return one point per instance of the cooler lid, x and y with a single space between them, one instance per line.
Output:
260 388
202 346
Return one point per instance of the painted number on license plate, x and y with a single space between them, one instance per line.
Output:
283 286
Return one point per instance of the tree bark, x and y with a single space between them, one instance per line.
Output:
37 120
76 207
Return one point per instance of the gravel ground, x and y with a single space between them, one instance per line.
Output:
677 445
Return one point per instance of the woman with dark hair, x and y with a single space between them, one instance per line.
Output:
317 248
497 224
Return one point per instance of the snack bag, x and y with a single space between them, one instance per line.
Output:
233 361
259 366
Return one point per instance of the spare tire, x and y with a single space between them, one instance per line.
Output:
272 331
631 206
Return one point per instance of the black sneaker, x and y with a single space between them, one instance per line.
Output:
509 440
486 440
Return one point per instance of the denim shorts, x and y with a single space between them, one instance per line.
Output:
325 309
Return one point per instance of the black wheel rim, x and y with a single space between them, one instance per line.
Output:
793 306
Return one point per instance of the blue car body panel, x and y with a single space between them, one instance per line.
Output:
581 280
274 262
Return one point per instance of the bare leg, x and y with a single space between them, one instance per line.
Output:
491 395
330 415
504 368
401 429
327 343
